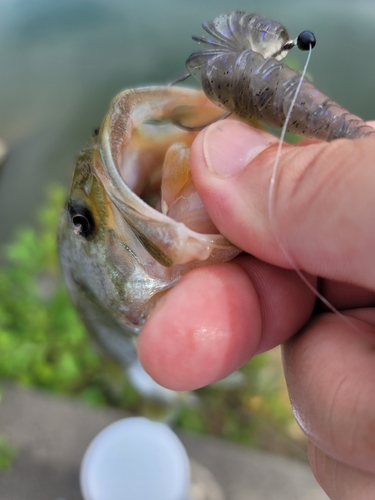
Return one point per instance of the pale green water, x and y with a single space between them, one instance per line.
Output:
63 60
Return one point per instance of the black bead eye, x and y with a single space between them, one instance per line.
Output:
305 40
81 218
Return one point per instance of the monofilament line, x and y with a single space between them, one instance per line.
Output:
271 205
271 195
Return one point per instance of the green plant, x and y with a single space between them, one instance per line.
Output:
42 341
7 454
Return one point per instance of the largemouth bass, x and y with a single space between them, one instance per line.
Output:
133 222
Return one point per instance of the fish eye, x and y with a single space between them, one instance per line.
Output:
305 40
81 218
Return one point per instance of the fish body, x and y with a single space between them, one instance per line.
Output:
118 253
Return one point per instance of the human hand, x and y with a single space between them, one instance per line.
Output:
216 318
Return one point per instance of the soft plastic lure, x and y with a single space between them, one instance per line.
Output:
240 71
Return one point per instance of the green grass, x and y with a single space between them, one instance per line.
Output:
44 344
7 454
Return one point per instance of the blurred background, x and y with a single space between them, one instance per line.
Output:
61 63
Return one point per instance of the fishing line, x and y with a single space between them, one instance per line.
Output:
272 199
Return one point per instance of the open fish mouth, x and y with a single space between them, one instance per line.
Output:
133 223
146 160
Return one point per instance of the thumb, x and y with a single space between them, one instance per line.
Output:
323 206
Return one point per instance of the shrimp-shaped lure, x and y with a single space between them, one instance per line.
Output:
240 71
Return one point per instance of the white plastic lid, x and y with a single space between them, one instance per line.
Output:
135 459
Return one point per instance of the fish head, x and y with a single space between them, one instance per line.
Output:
133 222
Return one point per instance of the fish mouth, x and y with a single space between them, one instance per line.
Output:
153 159
146 161
163 179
